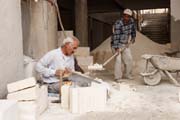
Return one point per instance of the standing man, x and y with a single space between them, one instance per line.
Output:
124 33
57 62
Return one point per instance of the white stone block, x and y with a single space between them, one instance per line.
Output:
9 110
84 99
28 107
28 117
74 100
25 94
82 51
85 61
43 99
28 110
65 96
36 107
22 84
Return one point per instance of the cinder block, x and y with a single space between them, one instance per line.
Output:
85 61
26 94
84 99
22 84
9 110
65 96
82 51
43 99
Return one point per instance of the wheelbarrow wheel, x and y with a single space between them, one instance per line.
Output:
153 79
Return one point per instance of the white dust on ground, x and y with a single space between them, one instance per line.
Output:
140 103
129 102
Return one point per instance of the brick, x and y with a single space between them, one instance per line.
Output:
85 61
22 84
9 110
82 51
25 94
84 99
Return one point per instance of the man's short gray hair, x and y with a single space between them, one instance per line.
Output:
67 40
70 40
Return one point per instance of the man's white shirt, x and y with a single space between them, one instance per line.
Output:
53 61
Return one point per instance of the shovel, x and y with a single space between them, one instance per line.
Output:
101 66
113 56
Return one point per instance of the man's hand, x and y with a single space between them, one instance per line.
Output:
63 73
118 49
67 72
59 72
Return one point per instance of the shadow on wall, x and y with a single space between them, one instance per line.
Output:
175 35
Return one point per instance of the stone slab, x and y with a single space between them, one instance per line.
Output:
20 85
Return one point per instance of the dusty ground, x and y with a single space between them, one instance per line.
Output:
130 100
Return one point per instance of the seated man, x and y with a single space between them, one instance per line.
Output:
56 63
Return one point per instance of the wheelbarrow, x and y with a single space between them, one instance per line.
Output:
160 65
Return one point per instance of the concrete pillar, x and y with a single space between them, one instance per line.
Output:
11 48
81 24
42 35
175 25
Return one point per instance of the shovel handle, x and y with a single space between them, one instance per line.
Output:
108 60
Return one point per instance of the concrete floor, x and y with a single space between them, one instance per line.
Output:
138 102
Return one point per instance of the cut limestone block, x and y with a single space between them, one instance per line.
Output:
42 99
85 61
28 110
22 84
74 103
84 99
82 51
65 96
24 95
9 110
36 107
